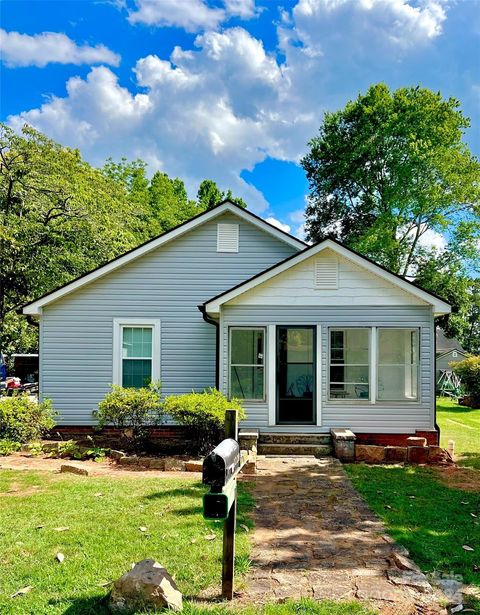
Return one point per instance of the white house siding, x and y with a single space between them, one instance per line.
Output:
168 284
362 417
356 286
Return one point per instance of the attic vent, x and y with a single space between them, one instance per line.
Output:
227 237
326 274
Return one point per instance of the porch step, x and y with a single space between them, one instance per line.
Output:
317 450
294 438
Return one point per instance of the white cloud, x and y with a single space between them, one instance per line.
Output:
50 47
192 15
297 216
226 104
432 240
274 222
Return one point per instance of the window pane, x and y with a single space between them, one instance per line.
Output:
397 346
247 382
298 380
356 374
137 342
349 391
349 346
247 347
136 372
299 345
397 364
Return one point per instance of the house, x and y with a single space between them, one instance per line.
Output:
308 337
448 350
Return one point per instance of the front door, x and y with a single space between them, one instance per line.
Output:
296 384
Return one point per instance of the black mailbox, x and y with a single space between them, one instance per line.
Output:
221 464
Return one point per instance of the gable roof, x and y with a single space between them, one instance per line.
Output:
440 306
35 307
444 354
446 344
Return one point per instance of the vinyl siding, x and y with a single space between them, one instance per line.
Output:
381 417
76 335
356 286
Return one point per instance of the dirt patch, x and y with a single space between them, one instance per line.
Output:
466 479
17 461
16 491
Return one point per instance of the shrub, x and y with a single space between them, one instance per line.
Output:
131 410
7 447
204 415
469 372
23 419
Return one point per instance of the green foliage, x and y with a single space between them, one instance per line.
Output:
7 447
132 410
469 372
69 449
23 419
169 202
389 167
209 195
204 414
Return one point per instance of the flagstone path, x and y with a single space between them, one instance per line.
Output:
315 536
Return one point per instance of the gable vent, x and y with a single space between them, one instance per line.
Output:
326 274
227 237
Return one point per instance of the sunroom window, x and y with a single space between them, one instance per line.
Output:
247 363
349 364
136 356
397 372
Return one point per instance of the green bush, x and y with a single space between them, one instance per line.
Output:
204 415
23 419
469 372
7 447
132 410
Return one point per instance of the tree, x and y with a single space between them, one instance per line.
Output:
59 217
387 169
209 195
169 202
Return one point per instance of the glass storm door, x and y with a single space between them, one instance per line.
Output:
296 375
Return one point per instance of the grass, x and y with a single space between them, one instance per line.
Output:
461 424
103 539
431 520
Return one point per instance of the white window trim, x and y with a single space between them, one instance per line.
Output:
264 365
118 325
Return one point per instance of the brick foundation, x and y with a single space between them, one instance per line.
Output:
396 439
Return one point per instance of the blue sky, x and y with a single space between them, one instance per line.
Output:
230 90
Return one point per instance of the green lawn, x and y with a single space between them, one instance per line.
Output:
462 425
430 519
103 516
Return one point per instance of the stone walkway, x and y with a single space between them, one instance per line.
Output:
315 536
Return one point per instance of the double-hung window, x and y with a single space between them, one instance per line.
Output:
247 363
349 364
136 350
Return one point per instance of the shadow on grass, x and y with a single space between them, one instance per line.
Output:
88 606
196 490
469 460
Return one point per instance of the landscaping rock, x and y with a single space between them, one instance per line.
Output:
403 562
395 454
452 590
411 578
369 453
174 465
439 455
72 469
416 441
148 586
194 466
249 468
417 454
116 455
155 463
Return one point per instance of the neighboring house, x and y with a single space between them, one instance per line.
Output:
448 350
309 337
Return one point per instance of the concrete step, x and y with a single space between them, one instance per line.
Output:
317 450
294 438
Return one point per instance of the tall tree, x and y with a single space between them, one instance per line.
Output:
169 202
387 169
59 217
209 195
